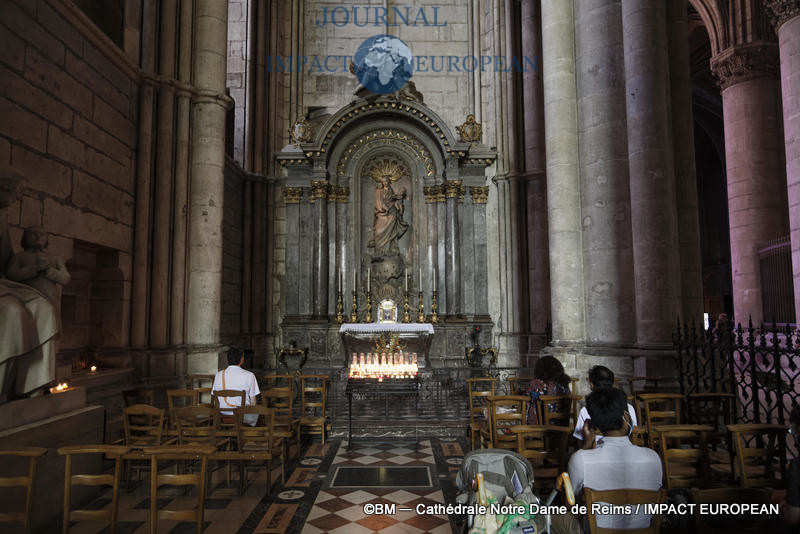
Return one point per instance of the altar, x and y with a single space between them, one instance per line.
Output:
362 338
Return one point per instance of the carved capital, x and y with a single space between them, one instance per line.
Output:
293 195
339 194
433 193
742 63
452 189
319 189
480 193
781 11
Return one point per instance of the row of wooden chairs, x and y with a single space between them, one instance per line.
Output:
115 453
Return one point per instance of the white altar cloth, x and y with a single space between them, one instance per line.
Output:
377 328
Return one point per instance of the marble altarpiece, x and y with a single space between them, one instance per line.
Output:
394 151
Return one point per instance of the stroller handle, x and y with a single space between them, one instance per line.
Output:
563 483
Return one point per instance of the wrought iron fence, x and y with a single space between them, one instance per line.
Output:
777 286
760 366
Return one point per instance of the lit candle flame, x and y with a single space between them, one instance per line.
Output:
94 368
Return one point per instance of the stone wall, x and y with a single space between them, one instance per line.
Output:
69 126
239 72
232 252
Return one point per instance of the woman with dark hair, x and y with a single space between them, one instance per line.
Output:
549 379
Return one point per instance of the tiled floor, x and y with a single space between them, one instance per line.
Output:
306 503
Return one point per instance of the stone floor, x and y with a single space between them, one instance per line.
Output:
306 503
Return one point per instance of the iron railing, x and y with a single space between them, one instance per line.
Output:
760 366
777 285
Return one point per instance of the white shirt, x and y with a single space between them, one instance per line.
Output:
616 463
583 415
237 379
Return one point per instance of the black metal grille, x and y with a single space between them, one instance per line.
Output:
759 366
777 287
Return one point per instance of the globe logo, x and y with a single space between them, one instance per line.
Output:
383 64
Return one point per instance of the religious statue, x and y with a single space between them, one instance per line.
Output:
35 267
470 131
388 226
28 320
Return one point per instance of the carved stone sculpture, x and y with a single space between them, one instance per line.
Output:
388 225
470 131
301 132
39 269
28 320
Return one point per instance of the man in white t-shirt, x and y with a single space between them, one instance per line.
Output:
235 378
615 462
600 376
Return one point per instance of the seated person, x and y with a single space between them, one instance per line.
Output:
235 378
549 379
600 376
615 462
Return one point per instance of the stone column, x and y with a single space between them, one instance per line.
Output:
452 190
786 19
480 195
652 187
319 198
433 194
257 259
247 254
207 187
748 77
291 289
680 78
563 172
159 286
141 239
605 195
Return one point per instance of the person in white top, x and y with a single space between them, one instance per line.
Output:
235 378
600 376
615 462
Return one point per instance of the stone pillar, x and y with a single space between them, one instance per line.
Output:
680 78
563 174
452 190
319 198
605 195
291 289
786 19
480 195
433 196
748 77
247 254
257 259
652 187
162 207
141 239
204 292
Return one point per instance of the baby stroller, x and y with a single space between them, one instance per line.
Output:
505 473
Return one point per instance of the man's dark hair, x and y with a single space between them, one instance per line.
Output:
601 376
605 407
549 369
235 356
795 417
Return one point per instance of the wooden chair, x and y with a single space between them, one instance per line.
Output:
660 409
143 427
620 497
159 454
177 398
759 449
221 401
517 385
545 446
114 452
197 425
506 411
279 396
624 384
724 524
559 410
32 454
573 384
479 406
684 454
202 384
132 397
313 390
260 442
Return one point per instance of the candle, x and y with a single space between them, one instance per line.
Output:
369 274
434 278
420 279
354 281
93 369
340 281
406 279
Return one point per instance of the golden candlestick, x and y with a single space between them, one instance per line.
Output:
434 309
406 308
339 307
368 315
354 310
420 309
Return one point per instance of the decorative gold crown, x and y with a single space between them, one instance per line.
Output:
387 167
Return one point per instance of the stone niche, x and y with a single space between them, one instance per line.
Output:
93 317
335 174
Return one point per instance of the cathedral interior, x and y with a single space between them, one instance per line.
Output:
379 204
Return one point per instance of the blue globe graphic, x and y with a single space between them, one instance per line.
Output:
383 64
